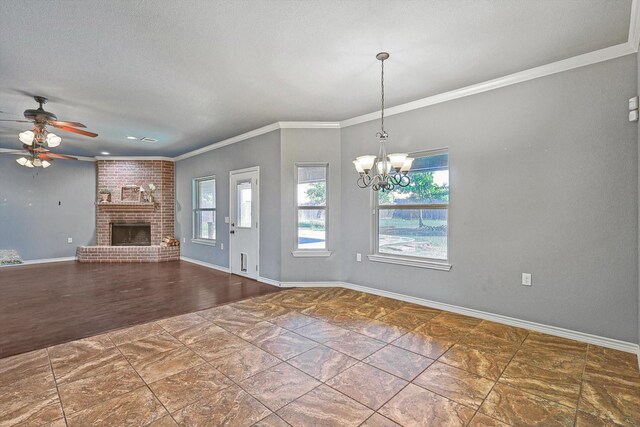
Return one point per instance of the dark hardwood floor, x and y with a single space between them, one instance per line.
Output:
47 304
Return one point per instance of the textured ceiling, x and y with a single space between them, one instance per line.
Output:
191 73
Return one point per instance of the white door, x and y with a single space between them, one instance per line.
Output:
244 206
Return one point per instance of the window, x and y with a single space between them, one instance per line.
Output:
311 207
204 210
243 195
411 223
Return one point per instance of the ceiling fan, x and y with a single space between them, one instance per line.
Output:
34 141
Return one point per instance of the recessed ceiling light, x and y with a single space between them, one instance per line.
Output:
147 139
131 137
105 153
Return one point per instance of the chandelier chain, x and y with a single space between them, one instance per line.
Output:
382 98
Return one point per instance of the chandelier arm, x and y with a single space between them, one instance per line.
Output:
382 97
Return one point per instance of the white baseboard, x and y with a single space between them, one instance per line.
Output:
41 261
268 281
539 327
205 264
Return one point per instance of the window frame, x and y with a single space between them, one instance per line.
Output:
302 252
408 260
196 209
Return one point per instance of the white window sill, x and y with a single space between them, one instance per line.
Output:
311 253
204 242
389 259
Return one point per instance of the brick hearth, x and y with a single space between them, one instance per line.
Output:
127 174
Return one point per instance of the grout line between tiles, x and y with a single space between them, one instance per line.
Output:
55 381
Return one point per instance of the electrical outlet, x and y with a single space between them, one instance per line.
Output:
226 220
526 279
184 240
69 240
359 257
222 246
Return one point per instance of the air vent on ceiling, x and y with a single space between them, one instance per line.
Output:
146 139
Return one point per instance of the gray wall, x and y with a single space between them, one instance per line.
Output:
544 179
31 220
637 92
263 151
310 145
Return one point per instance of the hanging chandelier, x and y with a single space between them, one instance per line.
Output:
383 172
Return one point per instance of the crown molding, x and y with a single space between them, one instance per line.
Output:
590 58
166 159
309 125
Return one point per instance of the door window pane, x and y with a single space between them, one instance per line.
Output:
206 221
244 196
311 229
413 232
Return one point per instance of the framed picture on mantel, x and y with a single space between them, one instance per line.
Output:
131 193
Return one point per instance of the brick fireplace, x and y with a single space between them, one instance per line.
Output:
137 223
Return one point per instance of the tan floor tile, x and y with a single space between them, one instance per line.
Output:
490 343
321 331
279 385
262 309
113 380
30 405
165 421
325 407
481 420
551 385
518 408
271 421
399 362
201 331
322 362
355 345
286 345
455 384
445 329
89 365
407 319
292 320
230 318
613 367
425 345
221 345
245 362
551 361
260 331
165 364
70 356
377 420
58 423
136 408
379 330
34 378
178 323
367 385
229 407
135 333
421 310
458 320
557 344
479 362
182 389
17 367
415 406
584 419
613 403
135 351
505 332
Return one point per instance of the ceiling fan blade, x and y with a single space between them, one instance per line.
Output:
43 156
61 156
18 121
74 130
16 152
60 123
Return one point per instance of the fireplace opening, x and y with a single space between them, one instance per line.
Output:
131 234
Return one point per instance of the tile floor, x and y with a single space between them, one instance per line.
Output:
320 357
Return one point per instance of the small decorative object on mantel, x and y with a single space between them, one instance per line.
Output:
105 194
152 189
130 193
169 241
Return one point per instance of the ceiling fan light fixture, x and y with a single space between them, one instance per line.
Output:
53 140
26 137
22 161
28 164
37 162
45 164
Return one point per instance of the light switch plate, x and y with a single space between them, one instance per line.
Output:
359 257
69 240
526 279
226 220
633 116
633 103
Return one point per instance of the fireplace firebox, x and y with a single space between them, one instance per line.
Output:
130 234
